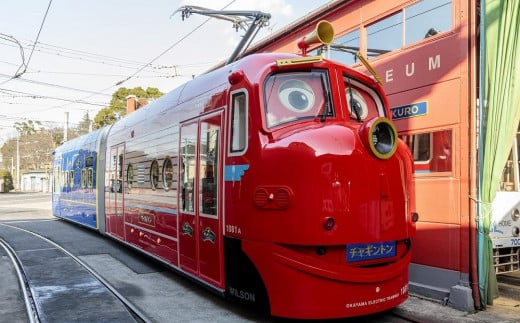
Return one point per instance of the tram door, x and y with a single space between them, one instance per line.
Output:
114 207
200 239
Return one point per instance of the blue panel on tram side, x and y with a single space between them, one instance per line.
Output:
79 213
74 199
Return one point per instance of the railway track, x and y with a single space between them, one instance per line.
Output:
59 287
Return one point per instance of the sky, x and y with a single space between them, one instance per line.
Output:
70 56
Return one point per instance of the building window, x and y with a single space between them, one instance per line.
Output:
385 35
409 25
432 151
345 48
427 18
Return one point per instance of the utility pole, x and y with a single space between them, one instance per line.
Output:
66 128
17 160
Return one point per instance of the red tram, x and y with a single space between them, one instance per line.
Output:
277 180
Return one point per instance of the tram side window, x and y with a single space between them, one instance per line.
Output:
168 174
56 179
89 161
239 122
83 178
432 151
66 179
130 176
187 176
90 177
208 161
154 174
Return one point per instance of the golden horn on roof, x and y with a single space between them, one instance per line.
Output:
323 33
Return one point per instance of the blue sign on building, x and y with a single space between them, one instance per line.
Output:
410 110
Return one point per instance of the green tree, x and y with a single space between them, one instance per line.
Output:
117 108
8 180
34 148
27 127
84 124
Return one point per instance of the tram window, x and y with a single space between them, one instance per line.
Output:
208 161
65 179
432 151
90 177
154 175
71 179
120 168
427 18
363 102
385 35
89 161
83 178
56 179
239 122
168 174
188 167
345 48
130 176
292 97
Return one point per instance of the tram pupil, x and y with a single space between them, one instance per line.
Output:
298 100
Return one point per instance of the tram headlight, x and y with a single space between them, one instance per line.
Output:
380 136
515 215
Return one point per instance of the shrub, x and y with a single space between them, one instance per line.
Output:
8 180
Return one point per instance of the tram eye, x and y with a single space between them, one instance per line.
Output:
296 95
357 105
357 108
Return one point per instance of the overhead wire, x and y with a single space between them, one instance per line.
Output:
37 37
43 47
34 96
53 85
169 48
22 55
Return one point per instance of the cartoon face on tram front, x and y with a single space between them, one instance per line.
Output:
302 95
330 189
